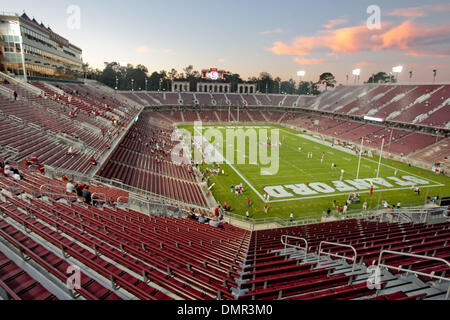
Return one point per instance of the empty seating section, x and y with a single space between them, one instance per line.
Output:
412 142
418 104
18 284
190 116
235 99
271 274
188 98
257 116
28 141
35 124
438 152
171 98
289 101
143 160
186 259
204 99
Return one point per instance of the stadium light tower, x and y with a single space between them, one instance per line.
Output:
301 74
397 70
356 73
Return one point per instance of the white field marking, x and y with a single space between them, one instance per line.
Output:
376 162
325 196
345 194
237 171
347 159
366 166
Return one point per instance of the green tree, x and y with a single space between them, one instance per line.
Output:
328 80
381 77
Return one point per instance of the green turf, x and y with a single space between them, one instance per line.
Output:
296 168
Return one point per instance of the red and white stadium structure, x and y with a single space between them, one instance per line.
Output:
137 242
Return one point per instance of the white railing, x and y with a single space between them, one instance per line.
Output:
52 194
353 259
431 275
284 241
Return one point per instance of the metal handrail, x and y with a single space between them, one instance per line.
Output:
118 199
337 255
431 275
284 241
98 200
68 197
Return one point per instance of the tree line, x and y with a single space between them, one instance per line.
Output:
137 78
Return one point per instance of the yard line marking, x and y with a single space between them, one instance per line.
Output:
237 171
376 162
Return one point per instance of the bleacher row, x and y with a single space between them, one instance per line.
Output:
124 254
416 104
271 273
45 125
146 257
143 160
212 99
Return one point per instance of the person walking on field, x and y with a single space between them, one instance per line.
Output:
266 208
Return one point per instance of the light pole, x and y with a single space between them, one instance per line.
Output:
146 81
301 74
132 84
117 83
434 75
356 73
397 70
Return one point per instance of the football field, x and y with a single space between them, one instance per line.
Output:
304 175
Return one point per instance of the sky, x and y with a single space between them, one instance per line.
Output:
250 36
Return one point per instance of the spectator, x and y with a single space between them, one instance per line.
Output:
34 161
87 195
41 168
365 206
79 189
216 212
70 151
70 187
93 161
16 174
15 95
203 219
191 215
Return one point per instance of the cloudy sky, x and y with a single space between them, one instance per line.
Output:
250 36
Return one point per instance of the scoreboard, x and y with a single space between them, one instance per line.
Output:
213 74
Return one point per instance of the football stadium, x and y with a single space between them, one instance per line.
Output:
328 182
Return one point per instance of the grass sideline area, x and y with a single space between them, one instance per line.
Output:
297 173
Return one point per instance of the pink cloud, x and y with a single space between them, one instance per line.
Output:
142 49
334 23
421 11
303 61
277 30
363 64
408 37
